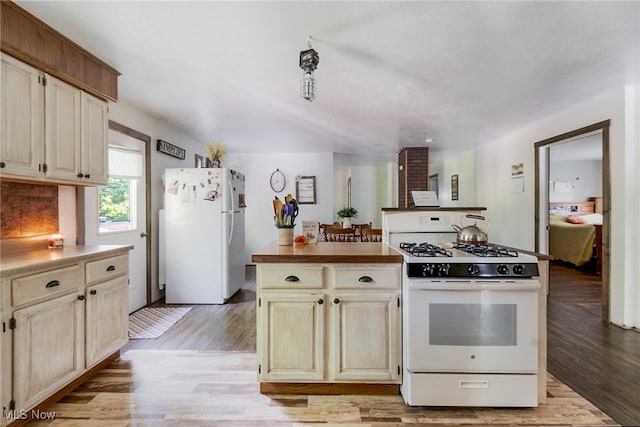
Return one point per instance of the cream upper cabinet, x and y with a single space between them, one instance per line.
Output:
93 132
21 148
62 130
52 131
334 323
75 134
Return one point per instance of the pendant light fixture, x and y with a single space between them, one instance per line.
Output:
308 62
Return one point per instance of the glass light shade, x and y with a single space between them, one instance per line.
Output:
308 89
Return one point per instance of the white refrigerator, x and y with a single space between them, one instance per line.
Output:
203 235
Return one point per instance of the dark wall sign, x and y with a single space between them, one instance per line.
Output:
170 149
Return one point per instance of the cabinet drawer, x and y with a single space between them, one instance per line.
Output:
290 276
46 285
372 276
107 268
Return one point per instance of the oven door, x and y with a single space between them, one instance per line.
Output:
471 326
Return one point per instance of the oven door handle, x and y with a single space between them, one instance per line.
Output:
449 285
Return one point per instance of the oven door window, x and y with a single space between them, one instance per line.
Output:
471 331
473 324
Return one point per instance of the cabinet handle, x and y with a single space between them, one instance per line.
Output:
320 301
80 297
292 279
93 292
365 279
80 175
52 284
111 268
336 301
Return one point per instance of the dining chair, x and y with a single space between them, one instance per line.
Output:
371 235
339 234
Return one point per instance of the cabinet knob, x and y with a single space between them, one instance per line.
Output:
365 279
86 175
80 174
292 279
336 301
2 164
320 301
93 292
80 297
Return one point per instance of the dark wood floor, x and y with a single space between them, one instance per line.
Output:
600 362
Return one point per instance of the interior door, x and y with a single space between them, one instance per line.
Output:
116 214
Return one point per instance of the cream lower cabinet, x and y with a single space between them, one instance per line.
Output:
57 323
293 336
48 348
107 307
329 323
107 322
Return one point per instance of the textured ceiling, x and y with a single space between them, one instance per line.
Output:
391 74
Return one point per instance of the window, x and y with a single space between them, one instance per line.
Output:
117 202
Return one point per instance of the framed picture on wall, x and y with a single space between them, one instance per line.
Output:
454 187
306 190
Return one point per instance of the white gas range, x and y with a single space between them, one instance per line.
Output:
470 315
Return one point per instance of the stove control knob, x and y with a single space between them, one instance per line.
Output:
503 269
518 269
473 270
444 269
427 270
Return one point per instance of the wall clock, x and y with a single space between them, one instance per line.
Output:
277 181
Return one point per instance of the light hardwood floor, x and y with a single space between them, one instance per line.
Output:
203 373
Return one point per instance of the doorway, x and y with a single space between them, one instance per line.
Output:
543 178
118 214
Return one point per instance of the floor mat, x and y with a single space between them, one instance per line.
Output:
152 322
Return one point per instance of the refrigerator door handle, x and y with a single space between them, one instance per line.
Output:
232 208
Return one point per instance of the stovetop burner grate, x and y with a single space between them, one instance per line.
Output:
486 250
424 250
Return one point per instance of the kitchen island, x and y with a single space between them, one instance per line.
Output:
329 318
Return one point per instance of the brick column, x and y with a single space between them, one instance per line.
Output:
413 173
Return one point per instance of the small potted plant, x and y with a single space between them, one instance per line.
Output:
346 214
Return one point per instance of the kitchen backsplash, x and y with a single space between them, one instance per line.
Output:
28 210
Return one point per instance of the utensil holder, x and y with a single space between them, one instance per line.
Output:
285 236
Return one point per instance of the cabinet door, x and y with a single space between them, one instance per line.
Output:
107 319
365 337
62 130
48 348
21 148
95 125
291 336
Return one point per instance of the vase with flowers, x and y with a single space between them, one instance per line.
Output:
216 153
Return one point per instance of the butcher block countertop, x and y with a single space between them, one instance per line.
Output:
18 262
329 252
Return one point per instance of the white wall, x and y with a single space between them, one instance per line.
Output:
463 165
512 214
583 179
259 225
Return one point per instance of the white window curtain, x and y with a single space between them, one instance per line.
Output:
125 163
